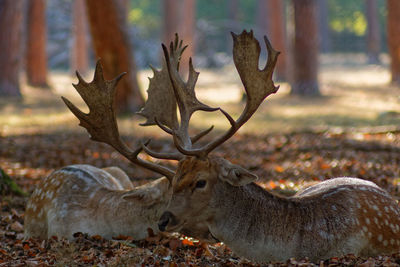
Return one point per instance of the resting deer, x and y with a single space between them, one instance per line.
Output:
336 217
83 198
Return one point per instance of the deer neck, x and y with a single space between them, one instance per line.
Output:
126 217
249 216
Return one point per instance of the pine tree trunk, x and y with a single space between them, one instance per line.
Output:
36 56
79 54
171 17
305 76
323 23
187 29
373 39
393 29
11 27
180 17
111 44
271 20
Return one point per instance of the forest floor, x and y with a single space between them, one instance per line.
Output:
352 130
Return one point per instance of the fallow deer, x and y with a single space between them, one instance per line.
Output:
336 217
83 198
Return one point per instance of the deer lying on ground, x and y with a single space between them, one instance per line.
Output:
336 217
83 198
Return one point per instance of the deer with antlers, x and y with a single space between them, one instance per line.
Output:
83 198
335 217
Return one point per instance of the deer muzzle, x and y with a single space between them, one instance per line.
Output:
167 219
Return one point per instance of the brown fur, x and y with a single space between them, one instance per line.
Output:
333 218
83 198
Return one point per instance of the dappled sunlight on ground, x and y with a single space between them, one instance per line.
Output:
354 95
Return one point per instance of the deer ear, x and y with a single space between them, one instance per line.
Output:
145 197
235 175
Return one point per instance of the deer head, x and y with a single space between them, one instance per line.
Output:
139 207
198 174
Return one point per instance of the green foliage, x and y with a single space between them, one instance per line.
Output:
347 21
146 15
347 16
7 185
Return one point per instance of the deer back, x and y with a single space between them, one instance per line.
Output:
83 198
336 217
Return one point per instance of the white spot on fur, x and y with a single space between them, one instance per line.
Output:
385 243
367 220
334 207
380 238
391 241
375 207
365 229
386 209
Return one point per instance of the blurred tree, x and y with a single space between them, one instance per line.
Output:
79 55
171 19
393 29
180 17
124 5
110 40
271 21
10 46
373 33
36 56
323 26
305 71
233 10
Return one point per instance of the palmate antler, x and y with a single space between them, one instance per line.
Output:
257 83
101 121
167 90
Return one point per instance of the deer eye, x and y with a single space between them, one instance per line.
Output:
201 183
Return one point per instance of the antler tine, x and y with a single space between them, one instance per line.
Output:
160 155
101 122
185 97
257 83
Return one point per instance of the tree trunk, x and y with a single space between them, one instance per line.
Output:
10 46
271 20
187 30
305 76
180 17
111 44
233 19
393 22
36 56
373 33
171 19
79 54
324 30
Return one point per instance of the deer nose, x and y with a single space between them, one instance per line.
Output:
166 217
